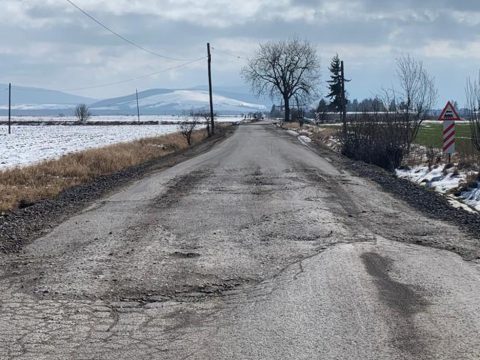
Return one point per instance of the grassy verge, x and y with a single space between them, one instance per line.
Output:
431 135
23 186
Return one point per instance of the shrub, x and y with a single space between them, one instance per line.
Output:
82 113
379 139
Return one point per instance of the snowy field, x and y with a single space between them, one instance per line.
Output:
111 118
30 144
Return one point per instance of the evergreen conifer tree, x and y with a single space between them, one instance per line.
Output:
335 85
322 106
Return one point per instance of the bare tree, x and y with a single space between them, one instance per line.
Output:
383 134
417 93
206 117
82 113
388 99
285 70
472 92
187 127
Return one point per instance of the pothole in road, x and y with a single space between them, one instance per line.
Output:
180 187
186 293
313 237
185 255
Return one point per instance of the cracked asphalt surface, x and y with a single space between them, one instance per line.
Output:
258 249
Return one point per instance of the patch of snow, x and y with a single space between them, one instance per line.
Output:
304 139
429 122
292 132
119 118
443 182
472 197
30 144
435 178
460 205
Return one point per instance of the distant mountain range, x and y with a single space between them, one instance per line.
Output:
169 101
42 102
26 99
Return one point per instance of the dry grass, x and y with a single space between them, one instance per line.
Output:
26 185
328 136
290 125
420 155
325 134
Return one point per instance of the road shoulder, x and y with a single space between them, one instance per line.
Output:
425 201
22 226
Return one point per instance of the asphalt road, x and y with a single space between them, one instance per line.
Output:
258 249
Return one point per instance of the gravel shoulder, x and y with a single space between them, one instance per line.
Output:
22 226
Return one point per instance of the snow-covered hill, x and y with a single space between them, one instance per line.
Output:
27 101
166 101
31 98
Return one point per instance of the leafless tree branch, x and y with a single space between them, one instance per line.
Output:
285 70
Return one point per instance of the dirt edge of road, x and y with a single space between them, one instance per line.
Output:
22 226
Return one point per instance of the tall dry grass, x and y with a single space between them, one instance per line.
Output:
290 125
25 185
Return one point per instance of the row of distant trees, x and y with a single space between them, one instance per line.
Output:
325 107
365 105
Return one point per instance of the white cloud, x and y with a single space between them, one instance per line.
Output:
449 49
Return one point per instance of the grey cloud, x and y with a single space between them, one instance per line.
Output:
80 47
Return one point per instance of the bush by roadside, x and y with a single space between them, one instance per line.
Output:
379 139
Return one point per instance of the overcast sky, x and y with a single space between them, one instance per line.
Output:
50 44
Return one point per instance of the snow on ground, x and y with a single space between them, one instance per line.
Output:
443 182
429 122
435 178
304 139
126 118
30 144
472 197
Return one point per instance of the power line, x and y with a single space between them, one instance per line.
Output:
230 53
121 36
138 77
122 81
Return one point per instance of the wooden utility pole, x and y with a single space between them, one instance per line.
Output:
344 100
9 108
212 122
138 108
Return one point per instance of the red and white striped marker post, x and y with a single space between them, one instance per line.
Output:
449 137
449 115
